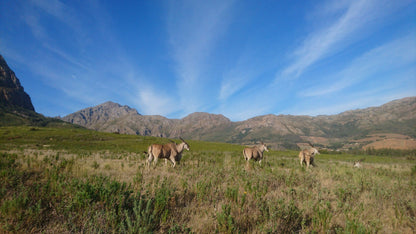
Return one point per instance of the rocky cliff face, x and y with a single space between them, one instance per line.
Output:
12 93
283 131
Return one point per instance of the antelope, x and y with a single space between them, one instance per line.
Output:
307 156
169 151
255 152
357 164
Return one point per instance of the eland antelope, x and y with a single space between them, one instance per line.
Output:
255 152
357 164
307 156
170 151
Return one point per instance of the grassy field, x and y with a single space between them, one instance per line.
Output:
76 180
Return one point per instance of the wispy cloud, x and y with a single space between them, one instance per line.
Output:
237 78
231 84
245 72
66 57
350 101
336 108
155 103
243 109
36 13
58 10
31 18
87 78
355 20
389 57
194 28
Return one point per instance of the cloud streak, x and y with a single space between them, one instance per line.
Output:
397 54
87 78
234 80
194 28
155 103
357 19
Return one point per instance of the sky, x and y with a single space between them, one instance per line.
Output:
237 58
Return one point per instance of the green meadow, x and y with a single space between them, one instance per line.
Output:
75 180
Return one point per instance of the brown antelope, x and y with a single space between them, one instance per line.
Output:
255 152
307 156
170 151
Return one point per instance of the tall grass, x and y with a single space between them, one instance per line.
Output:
75 180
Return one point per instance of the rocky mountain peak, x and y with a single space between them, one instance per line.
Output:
12 93
206 117
101 114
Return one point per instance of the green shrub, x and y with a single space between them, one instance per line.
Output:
225 220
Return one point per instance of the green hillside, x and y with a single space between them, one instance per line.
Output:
17 116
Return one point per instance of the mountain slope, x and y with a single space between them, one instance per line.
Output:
16 107
281 131
12 93
101 115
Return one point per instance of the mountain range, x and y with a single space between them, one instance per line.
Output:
349 129
392 125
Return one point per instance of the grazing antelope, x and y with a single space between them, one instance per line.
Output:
255 153
307 156
170 151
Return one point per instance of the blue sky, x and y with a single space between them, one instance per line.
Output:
237 58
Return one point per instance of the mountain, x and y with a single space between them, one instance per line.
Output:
16 107
99 116
112 117
348 129
12 93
